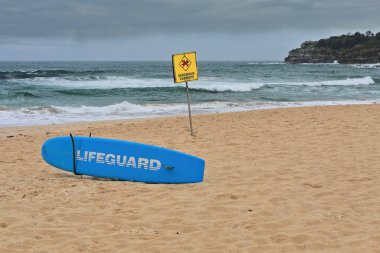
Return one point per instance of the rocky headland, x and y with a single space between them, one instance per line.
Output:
354 48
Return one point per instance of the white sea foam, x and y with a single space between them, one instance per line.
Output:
123 107
104 82
208 83
366 66
227 86
345 82
245 87
126 110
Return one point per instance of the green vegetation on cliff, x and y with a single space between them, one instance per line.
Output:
350 40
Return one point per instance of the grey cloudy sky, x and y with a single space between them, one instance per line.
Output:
154 29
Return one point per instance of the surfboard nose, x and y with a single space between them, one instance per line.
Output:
44 151
58 153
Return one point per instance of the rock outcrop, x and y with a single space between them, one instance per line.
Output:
346 49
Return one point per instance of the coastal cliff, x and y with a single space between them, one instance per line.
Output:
354 48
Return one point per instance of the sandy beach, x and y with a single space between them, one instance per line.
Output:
282 180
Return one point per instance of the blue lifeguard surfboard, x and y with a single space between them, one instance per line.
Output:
122 160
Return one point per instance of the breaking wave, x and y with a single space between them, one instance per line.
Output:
47 73
18 95
33 93
113 82
346 82
40 115
366 66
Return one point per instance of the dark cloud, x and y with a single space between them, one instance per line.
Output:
88 19
154 29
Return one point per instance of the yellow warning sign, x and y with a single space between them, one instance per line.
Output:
185 67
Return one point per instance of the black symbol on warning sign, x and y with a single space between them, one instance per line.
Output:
185 63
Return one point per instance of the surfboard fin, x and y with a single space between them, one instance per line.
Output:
74 159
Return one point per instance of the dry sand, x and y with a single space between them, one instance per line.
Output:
285 180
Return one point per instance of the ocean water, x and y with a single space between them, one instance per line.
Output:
34 93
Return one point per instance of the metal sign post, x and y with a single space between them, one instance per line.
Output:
189 108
